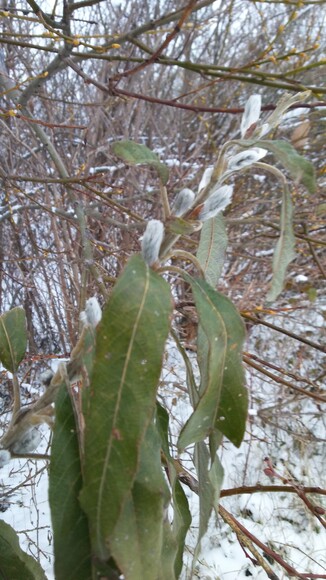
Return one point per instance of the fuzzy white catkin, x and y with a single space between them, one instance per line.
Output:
28 442
251 113
183 202
245 158
206 178
217 202
92 314
5 457
152 240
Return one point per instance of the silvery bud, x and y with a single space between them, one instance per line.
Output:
28 442
245 158
5 457
251 114
151 242
206 178
216 202
92 314
46 377
183 202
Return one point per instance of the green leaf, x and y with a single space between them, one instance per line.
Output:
72 547
233 405
136 154
129 351
210 481
137 540
223 398
299 167
14 562
13 338
203 419
284 252
181 513
211 249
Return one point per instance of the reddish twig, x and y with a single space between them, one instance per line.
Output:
316 510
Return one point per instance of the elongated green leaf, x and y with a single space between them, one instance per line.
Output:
137 540
173 548
233 404
13 338
211 249
14 562
136 154
223 399
129 350
202 421
300 168
284 251
72 548
209 485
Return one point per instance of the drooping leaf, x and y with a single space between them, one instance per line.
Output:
129 350
210 479
14 562
137 154
211 249
284 251
203 419
13 338
300 168
137 541
173 548
233 404
72 548
223 398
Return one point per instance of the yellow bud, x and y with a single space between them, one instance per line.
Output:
115 45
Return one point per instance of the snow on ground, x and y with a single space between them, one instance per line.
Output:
286 427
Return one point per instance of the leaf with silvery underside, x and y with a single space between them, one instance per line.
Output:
128 361
300 168
137 540
181 513
284 252
285 102
211 249
72 547
13 338
202 420
136 154
15 563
